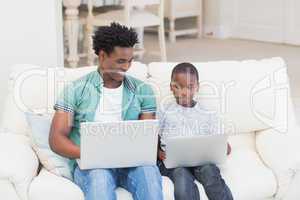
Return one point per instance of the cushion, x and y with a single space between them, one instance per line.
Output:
247 176
47 186
242 141
19 164
293 191
36 88
40 129
244 172
284 159
7 190
235 89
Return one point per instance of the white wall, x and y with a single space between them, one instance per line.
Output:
31 33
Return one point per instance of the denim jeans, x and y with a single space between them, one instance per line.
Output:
208 175
144 183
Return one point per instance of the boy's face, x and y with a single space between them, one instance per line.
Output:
184 86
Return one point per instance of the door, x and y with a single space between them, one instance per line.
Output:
292 35
259 19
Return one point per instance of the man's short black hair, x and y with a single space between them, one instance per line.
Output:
106 38
186 68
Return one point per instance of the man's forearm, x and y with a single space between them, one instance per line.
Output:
63 146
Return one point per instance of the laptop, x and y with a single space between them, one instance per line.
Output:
195 151
118 144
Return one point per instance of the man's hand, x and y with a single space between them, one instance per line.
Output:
228 149
161 155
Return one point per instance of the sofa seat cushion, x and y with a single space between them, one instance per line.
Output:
246 176
48 186
7 190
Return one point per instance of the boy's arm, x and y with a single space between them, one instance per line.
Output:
161 154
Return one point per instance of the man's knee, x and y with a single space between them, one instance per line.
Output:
148 182
96 183
146 176
148 172
101 177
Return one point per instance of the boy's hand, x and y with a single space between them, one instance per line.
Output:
161 155
228 149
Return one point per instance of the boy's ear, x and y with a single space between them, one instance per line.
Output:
172 83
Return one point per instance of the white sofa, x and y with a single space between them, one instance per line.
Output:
252 97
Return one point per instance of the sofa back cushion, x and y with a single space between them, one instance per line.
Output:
247 94
40 129
35 89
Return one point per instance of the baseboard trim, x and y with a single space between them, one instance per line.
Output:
220 32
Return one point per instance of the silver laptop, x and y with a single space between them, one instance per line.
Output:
195 151
118 144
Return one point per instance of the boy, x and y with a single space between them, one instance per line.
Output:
176 119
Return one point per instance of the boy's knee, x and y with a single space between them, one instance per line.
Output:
183 184
210 169
182 177
181 172
208 173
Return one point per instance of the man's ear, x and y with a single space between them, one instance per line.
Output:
101 55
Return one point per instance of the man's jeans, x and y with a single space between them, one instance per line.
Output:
208 175
144 183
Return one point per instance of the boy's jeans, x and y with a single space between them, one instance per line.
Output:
208 175
144 183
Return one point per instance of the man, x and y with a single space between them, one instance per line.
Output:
106 95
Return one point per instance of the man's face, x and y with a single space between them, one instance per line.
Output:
116 63
184 86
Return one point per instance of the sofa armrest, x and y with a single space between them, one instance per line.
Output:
19 163
280 152
48 186
293 191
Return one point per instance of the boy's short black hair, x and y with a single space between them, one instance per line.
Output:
185 68
106 38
